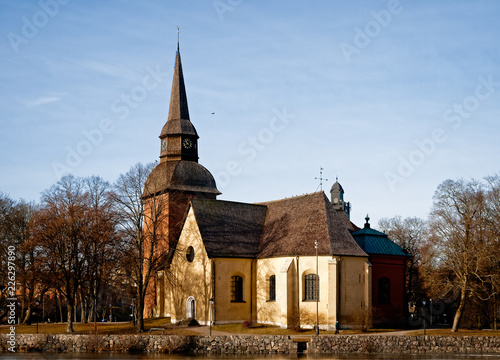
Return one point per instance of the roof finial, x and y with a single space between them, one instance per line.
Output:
336 178
367 224
321 178
178 31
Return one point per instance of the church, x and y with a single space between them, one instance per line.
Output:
292 263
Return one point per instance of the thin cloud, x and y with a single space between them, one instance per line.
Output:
43 100
118 71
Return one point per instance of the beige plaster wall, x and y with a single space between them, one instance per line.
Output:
355 278
225 310
273 312
187 279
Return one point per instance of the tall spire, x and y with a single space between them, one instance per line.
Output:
178 99
179 140
178 31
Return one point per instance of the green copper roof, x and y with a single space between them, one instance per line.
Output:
376 242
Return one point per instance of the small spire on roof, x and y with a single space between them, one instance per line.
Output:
367 224
321 178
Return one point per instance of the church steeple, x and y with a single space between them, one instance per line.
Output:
179 139
178 99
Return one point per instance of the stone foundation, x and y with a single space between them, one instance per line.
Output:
403 344
262 344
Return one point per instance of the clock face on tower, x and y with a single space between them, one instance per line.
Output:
187 143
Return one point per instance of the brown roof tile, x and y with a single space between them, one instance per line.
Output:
293 225
229 229
287 227
180 175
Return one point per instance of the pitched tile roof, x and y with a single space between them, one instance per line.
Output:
229 229
376 242
287 227
293 225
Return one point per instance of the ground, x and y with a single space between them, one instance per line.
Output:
230 329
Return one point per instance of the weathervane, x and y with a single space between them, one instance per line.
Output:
321 178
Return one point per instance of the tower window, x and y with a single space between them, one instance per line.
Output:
236 289
310 287
384 290
190 254
271 283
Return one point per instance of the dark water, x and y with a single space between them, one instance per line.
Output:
119 356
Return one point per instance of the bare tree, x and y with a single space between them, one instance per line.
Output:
6 241
458 233
60 232
409 233
142 223
491 284
101 256
15 217
28 274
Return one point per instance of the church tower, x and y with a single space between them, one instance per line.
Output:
337 197
178 177
172 183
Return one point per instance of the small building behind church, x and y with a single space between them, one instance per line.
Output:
389 268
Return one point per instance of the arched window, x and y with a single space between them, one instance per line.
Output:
271 283
310 287
384 290
236 289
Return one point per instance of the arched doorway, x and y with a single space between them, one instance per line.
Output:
191 308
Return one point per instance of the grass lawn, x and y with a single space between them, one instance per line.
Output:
102 328
276 330
256 329
460 332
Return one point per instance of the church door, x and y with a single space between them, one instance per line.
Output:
191 308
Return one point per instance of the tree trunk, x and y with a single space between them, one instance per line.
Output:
59 307
140 310
495 313
27 316
84 307
90 313
69 328
30 300
458 314
23 303
75 308
140 317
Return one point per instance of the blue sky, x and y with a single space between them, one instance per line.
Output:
393 97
